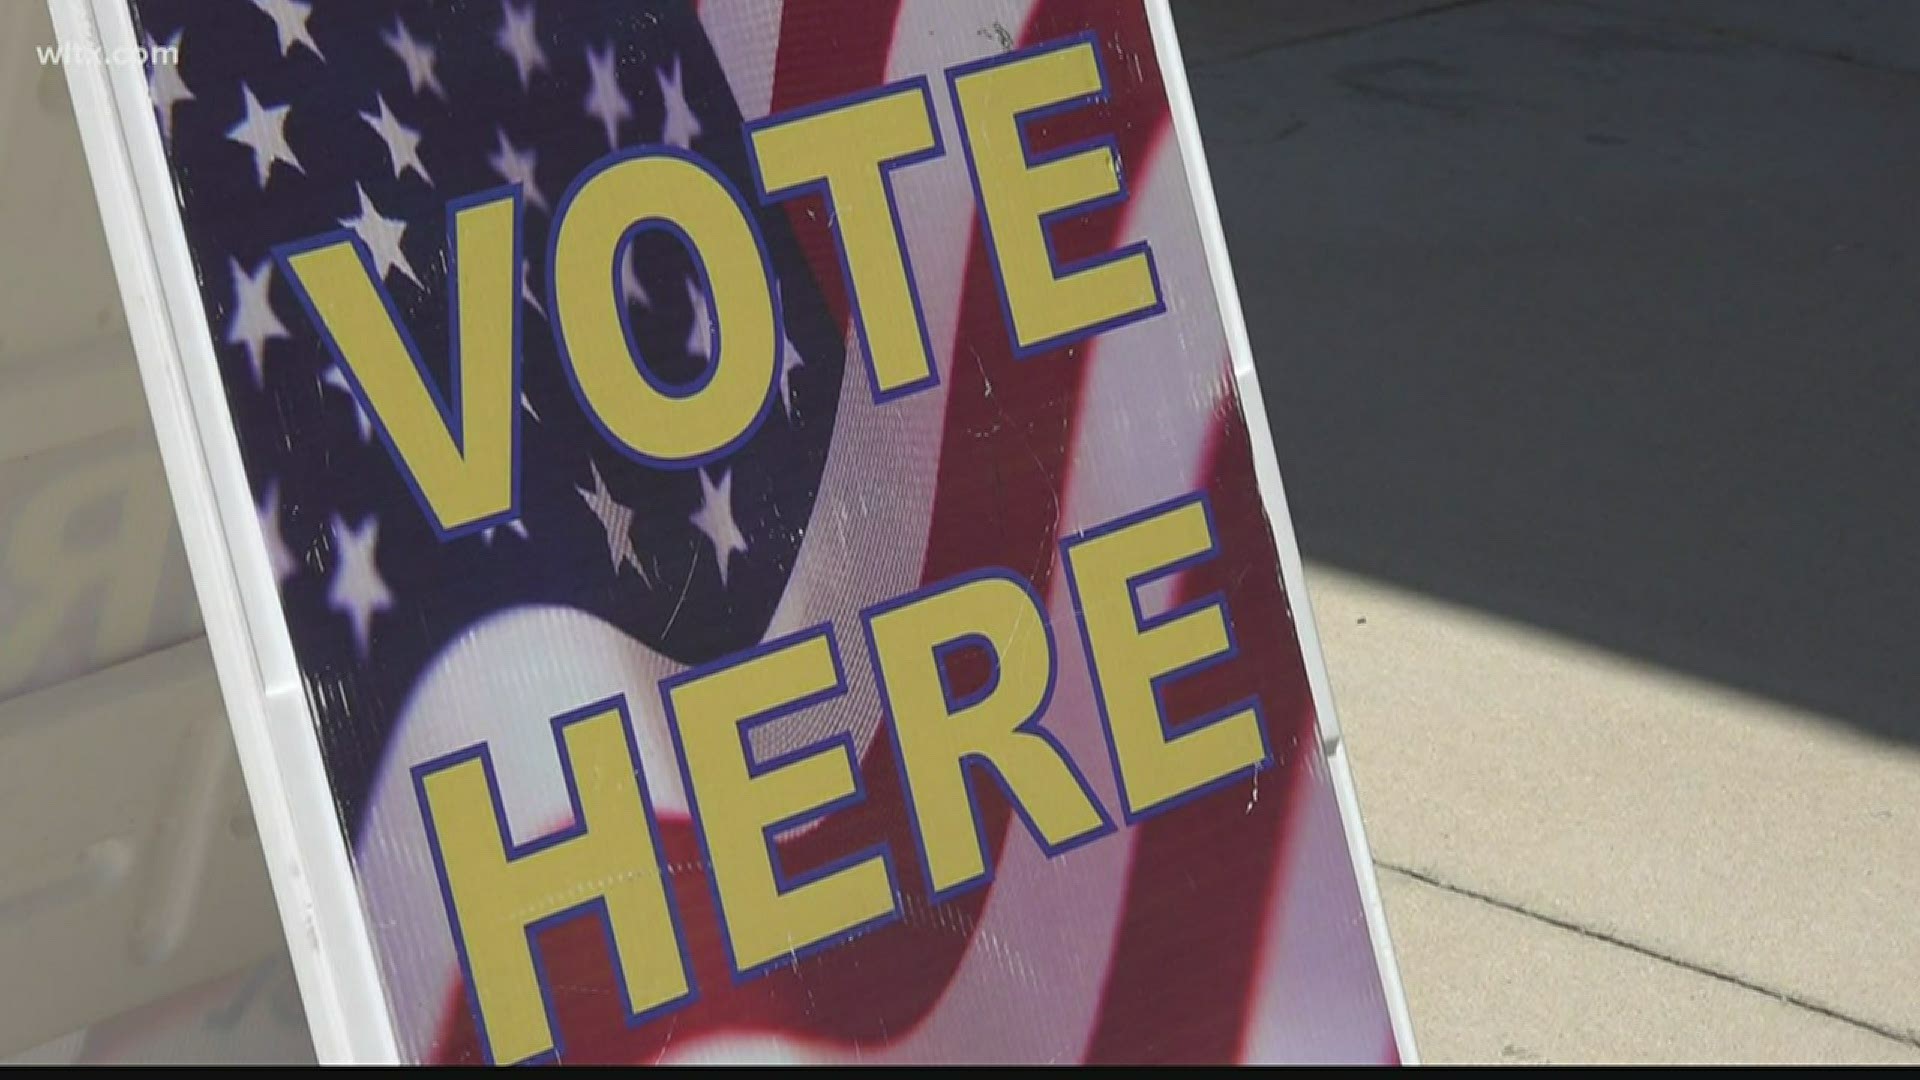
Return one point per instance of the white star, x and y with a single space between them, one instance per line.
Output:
526 288
516 167
790 361
700 326
680 127
604 101
165 85
516 526
416 55
617 520
715 518
382 236
631 289
357 590
279 558
516 38
254 323
403 142
337 379
263 131
290 22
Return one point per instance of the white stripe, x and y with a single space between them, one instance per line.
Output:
867 541
746 38
484 689
1317 994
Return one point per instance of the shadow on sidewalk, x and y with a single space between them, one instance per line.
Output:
1595 319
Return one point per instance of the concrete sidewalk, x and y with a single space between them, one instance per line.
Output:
1587 328
1588 859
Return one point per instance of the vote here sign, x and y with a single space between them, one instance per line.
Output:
766 515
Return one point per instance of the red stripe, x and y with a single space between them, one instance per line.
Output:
996 504
1184 964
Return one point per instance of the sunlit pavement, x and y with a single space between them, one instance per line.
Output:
1587 858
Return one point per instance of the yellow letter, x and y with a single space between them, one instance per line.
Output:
609 858
1130 656
460 467
1018 196
664 426
740 804
846 150
998 729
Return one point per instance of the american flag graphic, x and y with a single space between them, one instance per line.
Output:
1230 929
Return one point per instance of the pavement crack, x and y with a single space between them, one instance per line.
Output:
1437 8
1679 18
1905 1038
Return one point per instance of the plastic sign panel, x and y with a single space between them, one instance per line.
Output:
739 531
